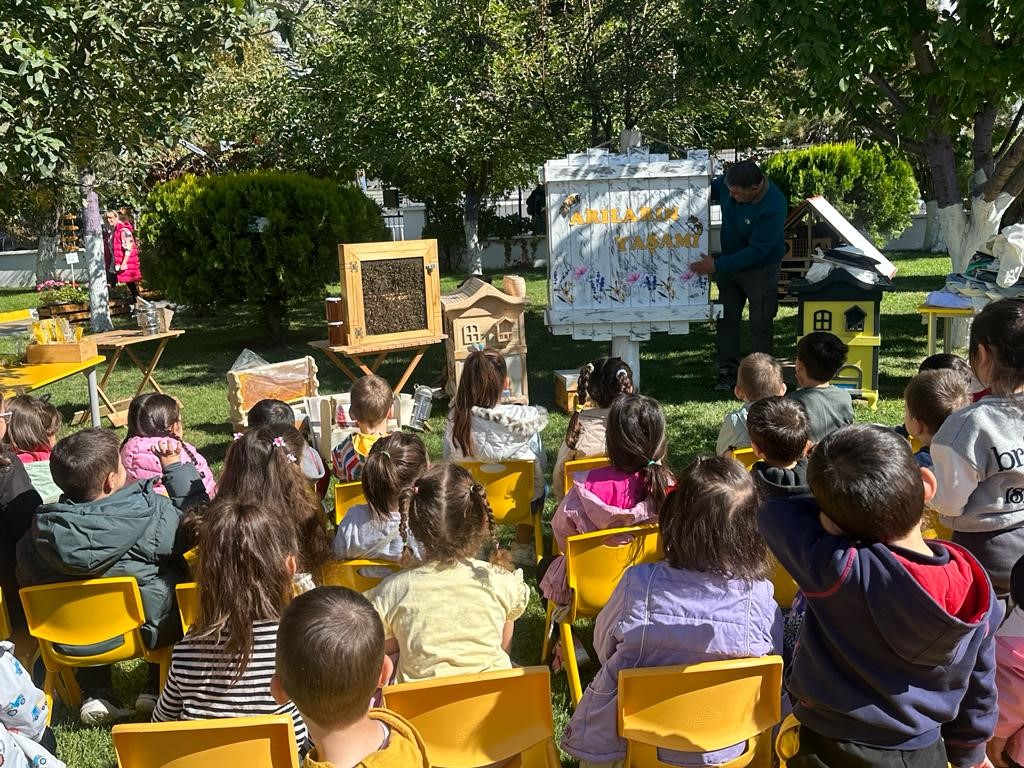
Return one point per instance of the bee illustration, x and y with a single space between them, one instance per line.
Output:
568 204
694 225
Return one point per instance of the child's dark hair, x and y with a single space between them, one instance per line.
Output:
372 399
708 523
635 441
1000 328
243 573
262 467
447 512
932 395
330 650
481 384
394 462
81 462
780 428
32 424
270 411
947 361
600 381
822 354
154 415
866 480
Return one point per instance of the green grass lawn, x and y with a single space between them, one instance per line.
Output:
678 370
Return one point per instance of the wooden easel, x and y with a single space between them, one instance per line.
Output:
380 352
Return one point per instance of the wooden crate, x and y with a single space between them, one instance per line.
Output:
565 390
79 313
61 353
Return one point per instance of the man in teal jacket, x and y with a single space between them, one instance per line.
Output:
747 270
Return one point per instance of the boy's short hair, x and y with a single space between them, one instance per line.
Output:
330 648
932 395
946 361
80 463
270 411
759 376
372 399
866 480
780 428
822 354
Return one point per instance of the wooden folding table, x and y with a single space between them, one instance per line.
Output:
380 353
120 343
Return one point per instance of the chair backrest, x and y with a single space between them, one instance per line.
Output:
582 465
594 563
5 618
347 495
698 707
474 720
745 456
358 575
188 603
267 741
509 486
86 623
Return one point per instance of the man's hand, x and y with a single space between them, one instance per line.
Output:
168 451
705 266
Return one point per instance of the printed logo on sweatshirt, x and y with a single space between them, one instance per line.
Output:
1008 460
1015 496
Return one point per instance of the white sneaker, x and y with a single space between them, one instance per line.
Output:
146 702
523 554
100 711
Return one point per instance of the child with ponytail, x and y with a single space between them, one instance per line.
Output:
371 530
453 614
601 381
480 426
629 492
154 417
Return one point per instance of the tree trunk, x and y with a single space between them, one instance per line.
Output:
46 259
92 238
932 231
274 318
471 227
965 232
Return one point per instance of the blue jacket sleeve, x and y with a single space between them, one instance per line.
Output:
974 724
184 486
765 235
818 561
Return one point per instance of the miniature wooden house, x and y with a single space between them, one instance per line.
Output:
850 308
479 315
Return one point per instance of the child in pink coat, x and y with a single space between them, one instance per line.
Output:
1008 740
151 418
125 263
627 493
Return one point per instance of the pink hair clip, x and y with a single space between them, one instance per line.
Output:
290 457
278 442
238 435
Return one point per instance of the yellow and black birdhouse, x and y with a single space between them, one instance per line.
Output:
843 304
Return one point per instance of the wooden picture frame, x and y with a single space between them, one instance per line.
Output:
371 320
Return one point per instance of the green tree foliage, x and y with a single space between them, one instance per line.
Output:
262 238
870 186
930 78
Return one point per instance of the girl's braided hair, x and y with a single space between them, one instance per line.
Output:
447 512
601 381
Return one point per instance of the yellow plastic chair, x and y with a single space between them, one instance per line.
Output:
5 618
87 624
472 720
347 495
701 708
188 603
509 486
745 456
358 575
594 563
785 587
267 741
582 465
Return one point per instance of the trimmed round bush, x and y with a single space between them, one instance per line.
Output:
871 186
261 238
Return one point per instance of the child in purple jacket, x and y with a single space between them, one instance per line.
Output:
895 663
710 599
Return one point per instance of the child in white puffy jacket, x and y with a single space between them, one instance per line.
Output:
25 739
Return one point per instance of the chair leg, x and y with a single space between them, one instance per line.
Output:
68 689
546 647
572 671
49 683
538 537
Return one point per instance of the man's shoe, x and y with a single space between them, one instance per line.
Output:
97 709
146 702
726 381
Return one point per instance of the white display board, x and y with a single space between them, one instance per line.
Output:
623 230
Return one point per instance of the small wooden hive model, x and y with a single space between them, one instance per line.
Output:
479 315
